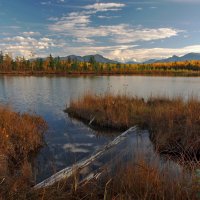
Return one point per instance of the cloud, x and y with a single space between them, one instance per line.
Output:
73 20
124 33
84 40
99 7
143 54
46 3
124 53
88 50
78 25
30 33
117 41
139 9
106 17
53 18
24 46
80 19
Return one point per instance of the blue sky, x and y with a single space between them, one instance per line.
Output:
120 30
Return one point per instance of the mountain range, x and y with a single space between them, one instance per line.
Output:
101 59
97 58
189 56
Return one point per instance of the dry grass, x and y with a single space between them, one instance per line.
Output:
139 181
21 135
174 124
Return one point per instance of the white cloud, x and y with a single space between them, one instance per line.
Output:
81 19
149 53
126 34
84 40
125 53
86 50
45 3
30 33
78 25
106 17
99 7
139 9
79 29
53 18
24 46
70 22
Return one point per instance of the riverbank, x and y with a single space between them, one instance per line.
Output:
173 123
135 180
172 73
137 174
56 65
21 136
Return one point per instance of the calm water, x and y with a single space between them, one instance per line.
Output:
68 141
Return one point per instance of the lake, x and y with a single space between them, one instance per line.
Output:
69 141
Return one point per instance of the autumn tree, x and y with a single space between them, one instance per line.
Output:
39 64
1 58
51 62
7 62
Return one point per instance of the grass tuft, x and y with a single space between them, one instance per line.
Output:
173 123
21 136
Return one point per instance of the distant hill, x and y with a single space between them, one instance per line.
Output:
132 62
101 59
150 61
73 57
189 56
97 58
174 58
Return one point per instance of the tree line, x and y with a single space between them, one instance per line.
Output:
56 64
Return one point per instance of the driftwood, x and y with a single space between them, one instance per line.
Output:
92 120
80 166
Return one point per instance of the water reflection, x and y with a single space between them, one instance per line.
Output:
67 139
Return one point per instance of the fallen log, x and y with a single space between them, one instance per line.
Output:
80 166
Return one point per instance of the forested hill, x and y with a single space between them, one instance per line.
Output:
96 57
96 64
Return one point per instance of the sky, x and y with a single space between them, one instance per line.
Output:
131 30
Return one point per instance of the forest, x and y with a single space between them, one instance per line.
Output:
56 65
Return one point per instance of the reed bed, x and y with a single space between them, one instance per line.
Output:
174 124
138 180
21 136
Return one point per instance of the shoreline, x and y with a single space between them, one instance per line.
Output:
173 124
142 174
69 74
19 144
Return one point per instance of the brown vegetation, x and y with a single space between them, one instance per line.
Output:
56 65
21 135
173 123
139 180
